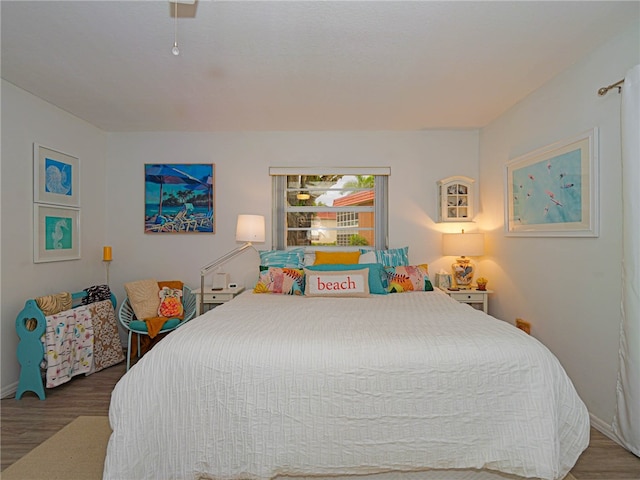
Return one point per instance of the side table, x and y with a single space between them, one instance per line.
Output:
476 298
215 297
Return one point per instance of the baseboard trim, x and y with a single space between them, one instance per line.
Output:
604 428
9 390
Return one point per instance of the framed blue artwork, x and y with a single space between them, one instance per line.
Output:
553 191
56 177
179 198
56 233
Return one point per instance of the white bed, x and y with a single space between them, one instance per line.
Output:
278 385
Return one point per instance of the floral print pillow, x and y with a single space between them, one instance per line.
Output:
412 278
283 280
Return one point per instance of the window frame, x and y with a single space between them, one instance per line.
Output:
279 202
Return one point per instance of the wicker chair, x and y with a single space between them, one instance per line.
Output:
126 316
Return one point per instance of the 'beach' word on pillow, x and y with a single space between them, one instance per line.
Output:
343 283
378 278
393 257
282 258
170 303
287 281
323 258
409 279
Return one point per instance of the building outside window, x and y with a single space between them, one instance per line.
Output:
328 210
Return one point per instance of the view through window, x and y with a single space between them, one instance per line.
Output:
330 210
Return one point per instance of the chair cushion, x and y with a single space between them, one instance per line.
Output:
144 297
141 326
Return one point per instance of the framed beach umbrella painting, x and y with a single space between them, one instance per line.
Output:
179 198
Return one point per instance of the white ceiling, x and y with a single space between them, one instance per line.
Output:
297 65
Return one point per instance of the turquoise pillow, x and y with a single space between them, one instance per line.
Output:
141 326
282 258
393 257
378 283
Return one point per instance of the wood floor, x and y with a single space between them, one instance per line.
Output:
28 422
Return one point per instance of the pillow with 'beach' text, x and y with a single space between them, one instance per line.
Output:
337 283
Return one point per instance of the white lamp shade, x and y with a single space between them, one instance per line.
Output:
250 228
463 244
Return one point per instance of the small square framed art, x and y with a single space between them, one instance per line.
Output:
56 233
56 177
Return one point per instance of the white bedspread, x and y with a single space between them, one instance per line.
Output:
270 385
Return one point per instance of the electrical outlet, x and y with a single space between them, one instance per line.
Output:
523 325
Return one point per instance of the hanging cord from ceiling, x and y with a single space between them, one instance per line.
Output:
604 90
175 50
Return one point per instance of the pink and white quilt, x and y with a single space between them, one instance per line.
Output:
68 343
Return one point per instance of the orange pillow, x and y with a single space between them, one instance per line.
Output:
336 257
177 310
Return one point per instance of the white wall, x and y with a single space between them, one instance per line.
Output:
243 185
27 119
569 288
112 196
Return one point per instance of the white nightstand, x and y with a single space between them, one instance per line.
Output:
215 297
476 298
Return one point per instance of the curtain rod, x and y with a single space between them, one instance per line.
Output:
604 90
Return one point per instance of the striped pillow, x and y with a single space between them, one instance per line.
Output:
393 257
282 258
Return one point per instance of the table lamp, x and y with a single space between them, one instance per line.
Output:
463 245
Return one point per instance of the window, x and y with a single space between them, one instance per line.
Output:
330 208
